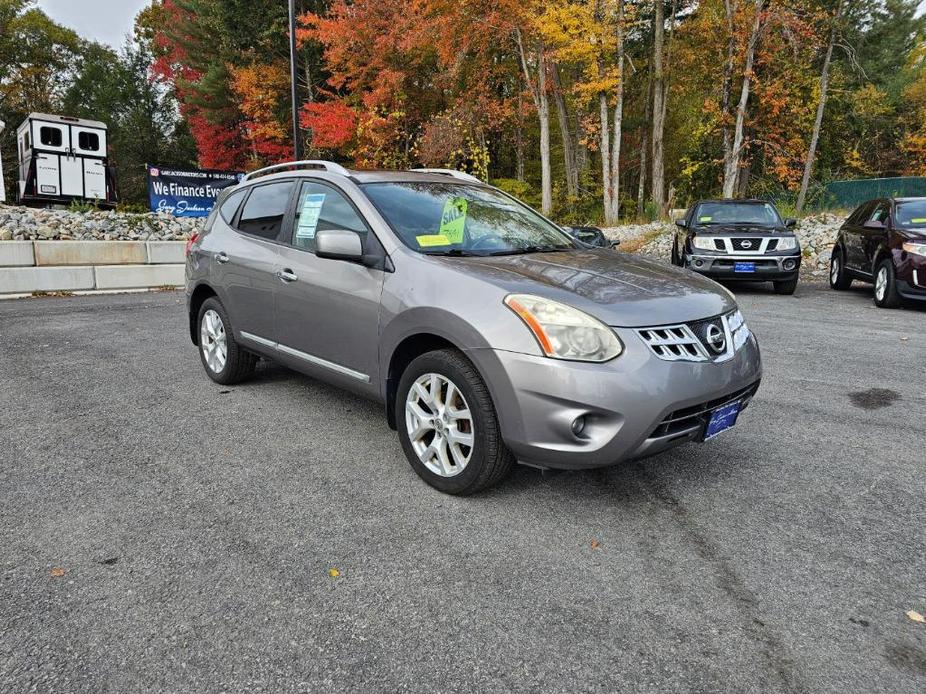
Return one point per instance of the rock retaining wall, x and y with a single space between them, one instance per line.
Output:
29 224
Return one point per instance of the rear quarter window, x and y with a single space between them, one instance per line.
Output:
230 205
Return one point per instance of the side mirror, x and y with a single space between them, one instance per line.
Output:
873 225
338 244
681 223
790 222
615 243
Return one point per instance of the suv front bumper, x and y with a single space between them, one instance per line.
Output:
768 267
634 406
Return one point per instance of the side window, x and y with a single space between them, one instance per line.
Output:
880 213
230 206
320 207
50 137
88 141
265 210
861 213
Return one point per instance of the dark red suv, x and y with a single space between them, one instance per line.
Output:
884 242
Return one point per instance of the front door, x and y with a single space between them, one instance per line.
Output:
871 239
855 253
327 311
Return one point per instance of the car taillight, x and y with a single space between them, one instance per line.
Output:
189 244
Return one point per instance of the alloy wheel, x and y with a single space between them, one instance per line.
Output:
213 341
439 424
834 270
881 284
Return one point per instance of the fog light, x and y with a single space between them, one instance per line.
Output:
578 425
790 265
699 263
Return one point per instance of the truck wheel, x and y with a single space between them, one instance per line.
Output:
447 424
886 295
225 361
786 286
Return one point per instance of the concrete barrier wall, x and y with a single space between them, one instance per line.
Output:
54 266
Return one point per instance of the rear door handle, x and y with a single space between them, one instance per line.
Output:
287 275
221 257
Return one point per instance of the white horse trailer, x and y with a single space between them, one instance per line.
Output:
62 159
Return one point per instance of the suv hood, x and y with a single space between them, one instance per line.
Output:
741 229
621 290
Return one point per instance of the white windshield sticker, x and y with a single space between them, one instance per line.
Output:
309 215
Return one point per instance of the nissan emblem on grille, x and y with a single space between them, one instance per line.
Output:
715 338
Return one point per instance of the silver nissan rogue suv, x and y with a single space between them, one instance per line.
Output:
490 335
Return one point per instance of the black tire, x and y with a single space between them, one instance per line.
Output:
786 286
839 280
239 363
490 460
676 260
890 299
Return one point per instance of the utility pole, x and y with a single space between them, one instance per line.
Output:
293 68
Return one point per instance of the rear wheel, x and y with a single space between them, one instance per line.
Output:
448 428
785 286
838 278
886 295
223 358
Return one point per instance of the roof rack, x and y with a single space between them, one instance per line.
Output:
451 172
313 164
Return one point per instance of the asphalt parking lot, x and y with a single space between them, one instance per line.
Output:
161 533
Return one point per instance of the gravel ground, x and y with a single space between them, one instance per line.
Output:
161 533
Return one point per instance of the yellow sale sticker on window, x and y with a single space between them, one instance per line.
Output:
918 220
705 218
453 220
432 240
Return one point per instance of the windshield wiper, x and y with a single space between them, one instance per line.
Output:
455 253
547 248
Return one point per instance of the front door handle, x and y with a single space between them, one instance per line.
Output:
287 275
221 258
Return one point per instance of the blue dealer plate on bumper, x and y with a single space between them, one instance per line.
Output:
722 419
744 267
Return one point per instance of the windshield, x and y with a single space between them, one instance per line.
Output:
459 219
911 214
755 213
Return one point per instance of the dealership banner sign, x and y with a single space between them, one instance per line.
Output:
185 193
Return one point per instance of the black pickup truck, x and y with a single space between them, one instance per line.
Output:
744 240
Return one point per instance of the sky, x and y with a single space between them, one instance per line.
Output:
106 21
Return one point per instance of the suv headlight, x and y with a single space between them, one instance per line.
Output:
738 328
564 332
786 243
915 247
703 243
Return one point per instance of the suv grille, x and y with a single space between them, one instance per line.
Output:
746 244
712 339
680 420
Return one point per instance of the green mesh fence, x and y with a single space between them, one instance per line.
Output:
849 194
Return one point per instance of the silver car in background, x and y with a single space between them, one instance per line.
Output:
490 336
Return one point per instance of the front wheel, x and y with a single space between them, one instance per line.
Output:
448 426
886 295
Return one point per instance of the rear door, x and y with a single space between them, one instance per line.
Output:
327 311
247 259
